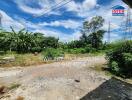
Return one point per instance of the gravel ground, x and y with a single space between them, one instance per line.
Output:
66 80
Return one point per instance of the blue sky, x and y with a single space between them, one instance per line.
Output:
65 23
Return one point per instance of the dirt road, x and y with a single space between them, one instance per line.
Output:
66 80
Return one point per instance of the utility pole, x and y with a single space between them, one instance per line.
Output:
126 28
128 25
109 31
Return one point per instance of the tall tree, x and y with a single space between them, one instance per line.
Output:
92 33
95 39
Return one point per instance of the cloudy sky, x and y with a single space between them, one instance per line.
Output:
65 22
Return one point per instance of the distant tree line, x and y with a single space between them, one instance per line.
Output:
92 35
24 41
119 54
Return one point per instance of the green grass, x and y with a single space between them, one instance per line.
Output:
30 59
14 86
102 68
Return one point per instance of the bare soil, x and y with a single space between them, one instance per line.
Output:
66 80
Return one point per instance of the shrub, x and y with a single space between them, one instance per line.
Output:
88 48
36 49
93 50
52 53
2 52
120 58
127 57
114 67
76 50
14 86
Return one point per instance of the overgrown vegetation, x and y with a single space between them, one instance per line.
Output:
14 86
28 42
27 46
25 42
51 53
92 36
120 59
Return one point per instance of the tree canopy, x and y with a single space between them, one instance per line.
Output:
92 32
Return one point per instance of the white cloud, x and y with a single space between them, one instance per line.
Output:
45 7
84 9
63 37
68 24
106 13
88 4
7 21
81 9
50 32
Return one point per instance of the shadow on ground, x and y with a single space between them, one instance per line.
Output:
113 89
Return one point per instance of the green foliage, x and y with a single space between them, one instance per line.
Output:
52 53
50 42
91 33
36 49
2 52
93 25
113 45
127 57
75 44
121 57
76 50
88 48
95 39
14 86
114 67
25 42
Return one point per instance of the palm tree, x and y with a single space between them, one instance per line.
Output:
26 41
10 40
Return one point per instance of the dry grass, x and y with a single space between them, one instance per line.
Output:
73 56
24 60
20 98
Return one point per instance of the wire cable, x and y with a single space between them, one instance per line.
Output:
57 4
55 7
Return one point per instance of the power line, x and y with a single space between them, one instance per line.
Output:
55 7
128 25
52 7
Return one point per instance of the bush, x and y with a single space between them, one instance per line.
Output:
76 50
52 53
127 57
88 48
2 52
36 49
120 58
114 67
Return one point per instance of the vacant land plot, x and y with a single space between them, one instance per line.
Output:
66 80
